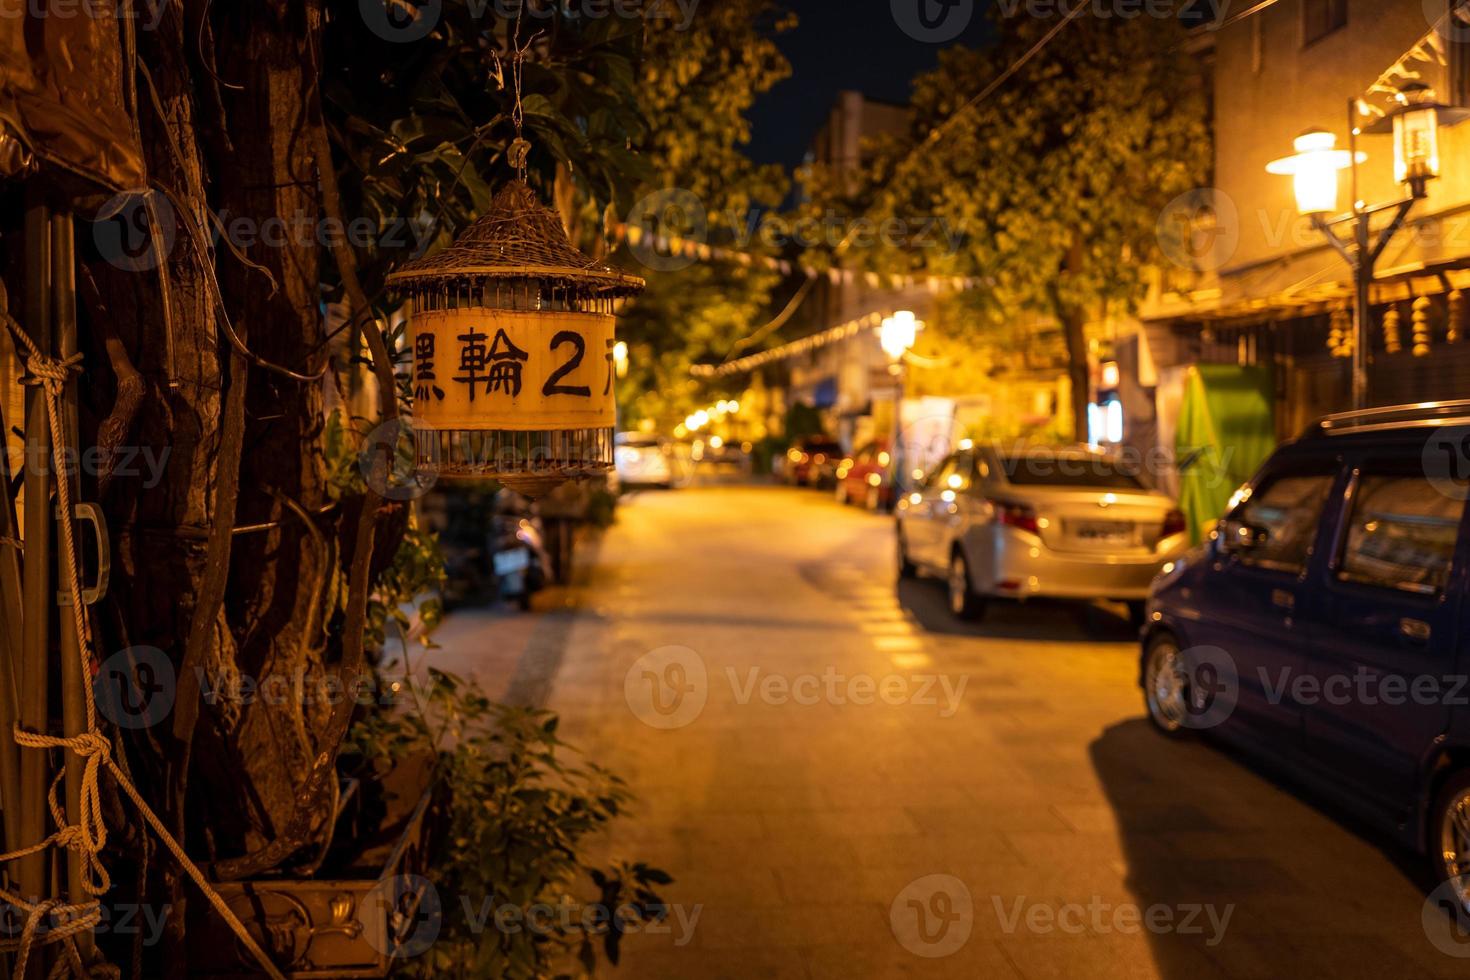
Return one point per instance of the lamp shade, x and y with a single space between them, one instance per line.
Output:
1314 169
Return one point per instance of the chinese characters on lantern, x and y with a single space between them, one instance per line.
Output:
423 372
514 368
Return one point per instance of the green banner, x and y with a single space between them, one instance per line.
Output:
1226 431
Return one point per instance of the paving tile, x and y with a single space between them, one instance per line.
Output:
795 827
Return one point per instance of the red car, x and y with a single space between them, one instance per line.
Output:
866 478
812 462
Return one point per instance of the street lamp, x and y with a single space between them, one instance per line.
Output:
1315 167
898 333
1416 136
897 336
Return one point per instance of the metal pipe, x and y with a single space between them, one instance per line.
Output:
36 576
1362 275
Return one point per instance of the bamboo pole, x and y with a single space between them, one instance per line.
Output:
37 579
12 616
73 705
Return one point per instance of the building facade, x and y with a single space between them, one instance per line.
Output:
1255 283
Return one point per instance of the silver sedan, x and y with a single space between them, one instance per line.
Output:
1070 523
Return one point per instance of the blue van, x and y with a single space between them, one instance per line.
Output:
1324 623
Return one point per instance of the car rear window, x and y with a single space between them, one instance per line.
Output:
1073 470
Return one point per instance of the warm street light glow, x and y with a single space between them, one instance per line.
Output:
1416 136
898 333
620 358
1314 168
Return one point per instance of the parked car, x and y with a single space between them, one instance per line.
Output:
643 460
1336 583
720 455
1070 523
812 462
866 478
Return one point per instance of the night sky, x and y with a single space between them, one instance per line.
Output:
841 44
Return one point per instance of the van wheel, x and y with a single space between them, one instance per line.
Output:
963 601
1166 686
1449 835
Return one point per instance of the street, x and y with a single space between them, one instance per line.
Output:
818 745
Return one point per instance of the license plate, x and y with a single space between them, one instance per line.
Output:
510 562
1104 531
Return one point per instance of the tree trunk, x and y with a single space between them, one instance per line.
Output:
1079 372
253 756
243 441
1073 320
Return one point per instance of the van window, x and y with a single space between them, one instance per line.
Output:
1288 509
1402 534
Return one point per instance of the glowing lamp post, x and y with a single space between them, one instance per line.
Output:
1315 168
897 336
1416 137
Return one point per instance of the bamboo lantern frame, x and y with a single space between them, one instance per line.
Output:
516 311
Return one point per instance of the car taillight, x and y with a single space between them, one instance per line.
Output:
1016 515
1175 523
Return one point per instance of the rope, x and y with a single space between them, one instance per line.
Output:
88 836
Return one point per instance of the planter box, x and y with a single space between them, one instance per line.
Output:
350 920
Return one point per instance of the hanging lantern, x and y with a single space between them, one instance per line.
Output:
1393 340
1422 329
1415 122
514 351
1457 311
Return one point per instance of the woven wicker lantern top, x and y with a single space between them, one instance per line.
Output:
518 238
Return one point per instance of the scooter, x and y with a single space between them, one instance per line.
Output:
518 555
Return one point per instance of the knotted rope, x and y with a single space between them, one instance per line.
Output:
88 836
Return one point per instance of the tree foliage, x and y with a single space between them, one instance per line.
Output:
1056 179
695 87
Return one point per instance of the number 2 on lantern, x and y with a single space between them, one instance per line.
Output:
552 387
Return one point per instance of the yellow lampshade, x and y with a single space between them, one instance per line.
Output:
1314 169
